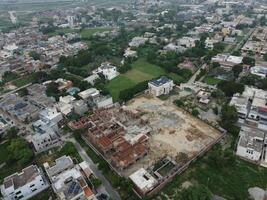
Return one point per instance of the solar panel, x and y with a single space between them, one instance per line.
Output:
76 190
71 188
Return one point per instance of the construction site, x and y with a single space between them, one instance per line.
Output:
144 131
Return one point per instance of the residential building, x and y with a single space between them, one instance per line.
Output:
90 93
5 124
103 101
260 71
44 138
69 180
160 86
138 41
107 70
65 105
143 181
241 104
227 61
80 107
187 42
92 79
51 117
250 144
24 185
255 99
130 53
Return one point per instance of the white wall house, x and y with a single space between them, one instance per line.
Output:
51 116
68 180
24 185
250 144
44 137
160 86
109 71
241 104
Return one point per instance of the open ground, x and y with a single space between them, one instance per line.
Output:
174 131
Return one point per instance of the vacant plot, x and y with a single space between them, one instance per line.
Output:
141 71
174 131
63 31
211 80
231 182
23 80
87 33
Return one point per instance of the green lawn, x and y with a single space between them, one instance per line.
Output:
63 30
141 71
211 80
87 33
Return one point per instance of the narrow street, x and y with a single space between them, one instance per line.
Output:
111 191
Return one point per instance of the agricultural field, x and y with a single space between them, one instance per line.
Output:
141 71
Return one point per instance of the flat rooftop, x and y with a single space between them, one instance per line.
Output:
20 179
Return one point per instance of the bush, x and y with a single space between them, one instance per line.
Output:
195 112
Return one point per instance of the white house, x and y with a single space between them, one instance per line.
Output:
260 71
103 101
92 79
250 144
69 180
241 104
65 104
90 93
160 86
24 185
80 107
109 71
130 53
143 181
51 117
187 42
137 41
251 105
44 138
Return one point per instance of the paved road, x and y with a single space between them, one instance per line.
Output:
193 78
111 191
242 42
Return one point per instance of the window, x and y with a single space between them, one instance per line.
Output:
34 190
32 185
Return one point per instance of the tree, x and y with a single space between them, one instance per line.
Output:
230 88
179 103
215 110
229 117
197 192
34 55
265 57
237 69
12 133
229 114
249 61
9 76
52 89
195 112
19 152
23 92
